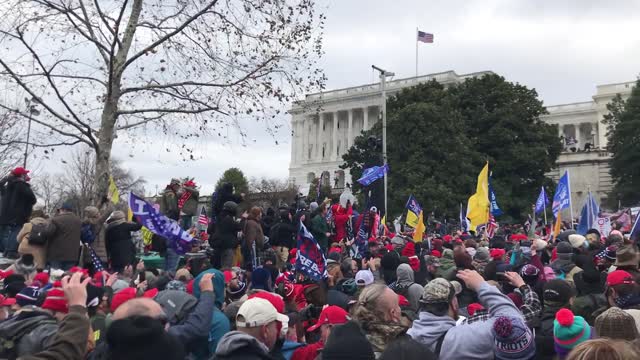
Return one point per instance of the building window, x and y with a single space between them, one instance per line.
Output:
309 151
324 124
338 149
338 120
324 146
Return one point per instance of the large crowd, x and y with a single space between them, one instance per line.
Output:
78 290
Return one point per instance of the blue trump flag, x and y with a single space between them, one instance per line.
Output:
495 209
542 202
589 215
310 259
152 219
562 197
372 174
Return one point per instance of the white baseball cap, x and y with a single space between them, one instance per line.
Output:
364 277
257 312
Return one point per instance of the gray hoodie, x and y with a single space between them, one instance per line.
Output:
238 345
468 341
406 286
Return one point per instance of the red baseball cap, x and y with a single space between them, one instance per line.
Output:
402 301
619 277
275 300
19 171
333 315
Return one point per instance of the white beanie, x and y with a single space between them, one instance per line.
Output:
577 241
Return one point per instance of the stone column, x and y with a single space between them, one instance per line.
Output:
319 137
350 132
334 142
365 119
294 136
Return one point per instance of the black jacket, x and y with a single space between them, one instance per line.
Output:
544 333
283 233
120 247
16 201
226 235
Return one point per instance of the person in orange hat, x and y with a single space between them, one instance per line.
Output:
16 204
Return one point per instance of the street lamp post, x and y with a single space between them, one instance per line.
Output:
32 111
383 83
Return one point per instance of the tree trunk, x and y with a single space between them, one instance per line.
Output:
110 111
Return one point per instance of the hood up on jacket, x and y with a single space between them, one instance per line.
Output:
428 328
405 275
236 341
218 286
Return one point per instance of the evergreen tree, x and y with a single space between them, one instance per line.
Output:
236 177
623 142
438 140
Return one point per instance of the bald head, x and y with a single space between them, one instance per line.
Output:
138 307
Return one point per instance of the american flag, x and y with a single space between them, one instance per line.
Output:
492 226
425 37
203 219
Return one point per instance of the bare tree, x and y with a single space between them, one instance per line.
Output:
184 68
76 183
9 149
271 192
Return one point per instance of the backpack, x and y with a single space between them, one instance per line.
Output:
38 236
87 235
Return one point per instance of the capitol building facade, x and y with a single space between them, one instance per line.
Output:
325 124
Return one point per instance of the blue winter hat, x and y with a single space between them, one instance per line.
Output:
261 279
513 339
28 296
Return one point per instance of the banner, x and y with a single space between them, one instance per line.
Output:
147 215
588 215
114 194
562 197
414 209
420 229
309 259
372 174
542 202
478 206
603 225
495 209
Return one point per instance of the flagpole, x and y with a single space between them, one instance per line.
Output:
570 201
544 200
416 51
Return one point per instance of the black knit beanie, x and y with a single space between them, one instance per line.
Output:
347 342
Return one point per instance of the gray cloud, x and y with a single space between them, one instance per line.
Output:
563 49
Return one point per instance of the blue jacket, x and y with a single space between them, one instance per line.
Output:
219 323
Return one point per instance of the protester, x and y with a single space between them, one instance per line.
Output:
406 287
169 200
258 324
188 203
615 323
17 200
63 238
378 312
253 241
282 237
436 325
94 231
320 228
569 331
27 246
120 247
598 349
225 240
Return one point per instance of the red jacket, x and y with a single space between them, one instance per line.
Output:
309 352
341 216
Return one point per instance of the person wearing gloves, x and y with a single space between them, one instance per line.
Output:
436 325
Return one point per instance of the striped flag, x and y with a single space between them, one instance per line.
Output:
203 219
492 226
425 37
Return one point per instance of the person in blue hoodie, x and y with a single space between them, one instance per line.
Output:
436 326
219 322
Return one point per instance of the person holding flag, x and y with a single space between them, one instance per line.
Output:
562 197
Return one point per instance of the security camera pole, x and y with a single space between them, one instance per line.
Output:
383 113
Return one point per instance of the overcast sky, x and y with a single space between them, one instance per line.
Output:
562 48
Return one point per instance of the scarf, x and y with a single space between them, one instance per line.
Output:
627 301
183 199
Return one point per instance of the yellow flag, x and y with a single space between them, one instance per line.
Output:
420 229
478 205
412 219
114 194
556 228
